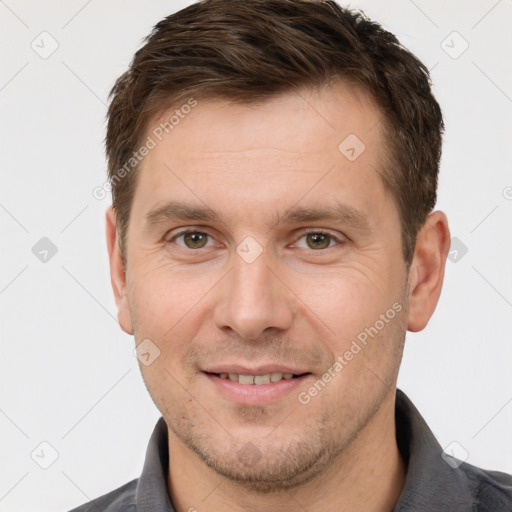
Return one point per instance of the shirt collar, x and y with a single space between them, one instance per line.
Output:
431 483
152 492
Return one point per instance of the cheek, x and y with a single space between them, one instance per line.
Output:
363 326
171 308
166 300
347 301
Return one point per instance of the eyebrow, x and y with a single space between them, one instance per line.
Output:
176 210
339 212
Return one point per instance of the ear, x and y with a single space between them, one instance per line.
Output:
117 272
426 274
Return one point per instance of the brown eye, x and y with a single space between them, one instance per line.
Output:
318 240
194 239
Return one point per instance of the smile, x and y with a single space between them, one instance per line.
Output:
256 379
256 390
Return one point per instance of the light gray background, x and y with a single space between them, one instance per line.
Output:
69 377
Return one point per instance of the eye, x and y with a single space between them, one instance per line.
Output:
191 239
318 240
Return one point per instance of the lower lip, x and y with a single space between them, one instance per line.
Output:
257 394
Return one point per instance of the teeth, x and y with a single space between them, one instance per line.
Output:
246 379
256 379
262 379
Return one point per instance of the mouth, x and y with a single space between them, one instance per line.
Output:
257 380
259 388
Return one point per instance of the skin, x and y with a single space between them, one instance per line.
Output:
296 304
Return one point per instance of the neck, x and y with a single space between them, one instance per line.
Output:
368 475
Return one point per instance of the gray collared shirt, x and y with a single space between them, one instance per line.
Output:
434 482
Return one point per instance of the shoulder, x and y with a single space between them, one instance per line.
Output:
121 499
492 490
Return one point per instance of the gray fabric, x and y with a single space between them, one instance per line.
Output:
431 485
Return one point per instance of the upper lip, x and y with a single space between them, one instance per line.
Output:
259 370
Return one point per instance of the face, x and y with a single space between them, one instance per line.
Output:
262 243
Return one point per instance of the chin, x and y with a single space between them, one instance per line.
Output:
265 465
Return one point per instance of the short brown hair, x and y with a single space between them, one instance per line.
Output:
251 51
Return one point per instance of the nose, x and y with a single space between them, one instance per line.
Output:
254 299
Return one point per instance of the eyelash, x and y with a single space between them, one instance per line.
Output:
303 234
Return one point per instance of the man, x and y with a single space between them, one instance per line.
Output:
274 170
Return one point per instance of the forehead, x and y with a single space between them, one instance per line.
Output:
323 144
297 122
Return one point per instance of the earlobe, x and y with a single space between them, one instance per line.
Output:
117 271
426 274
